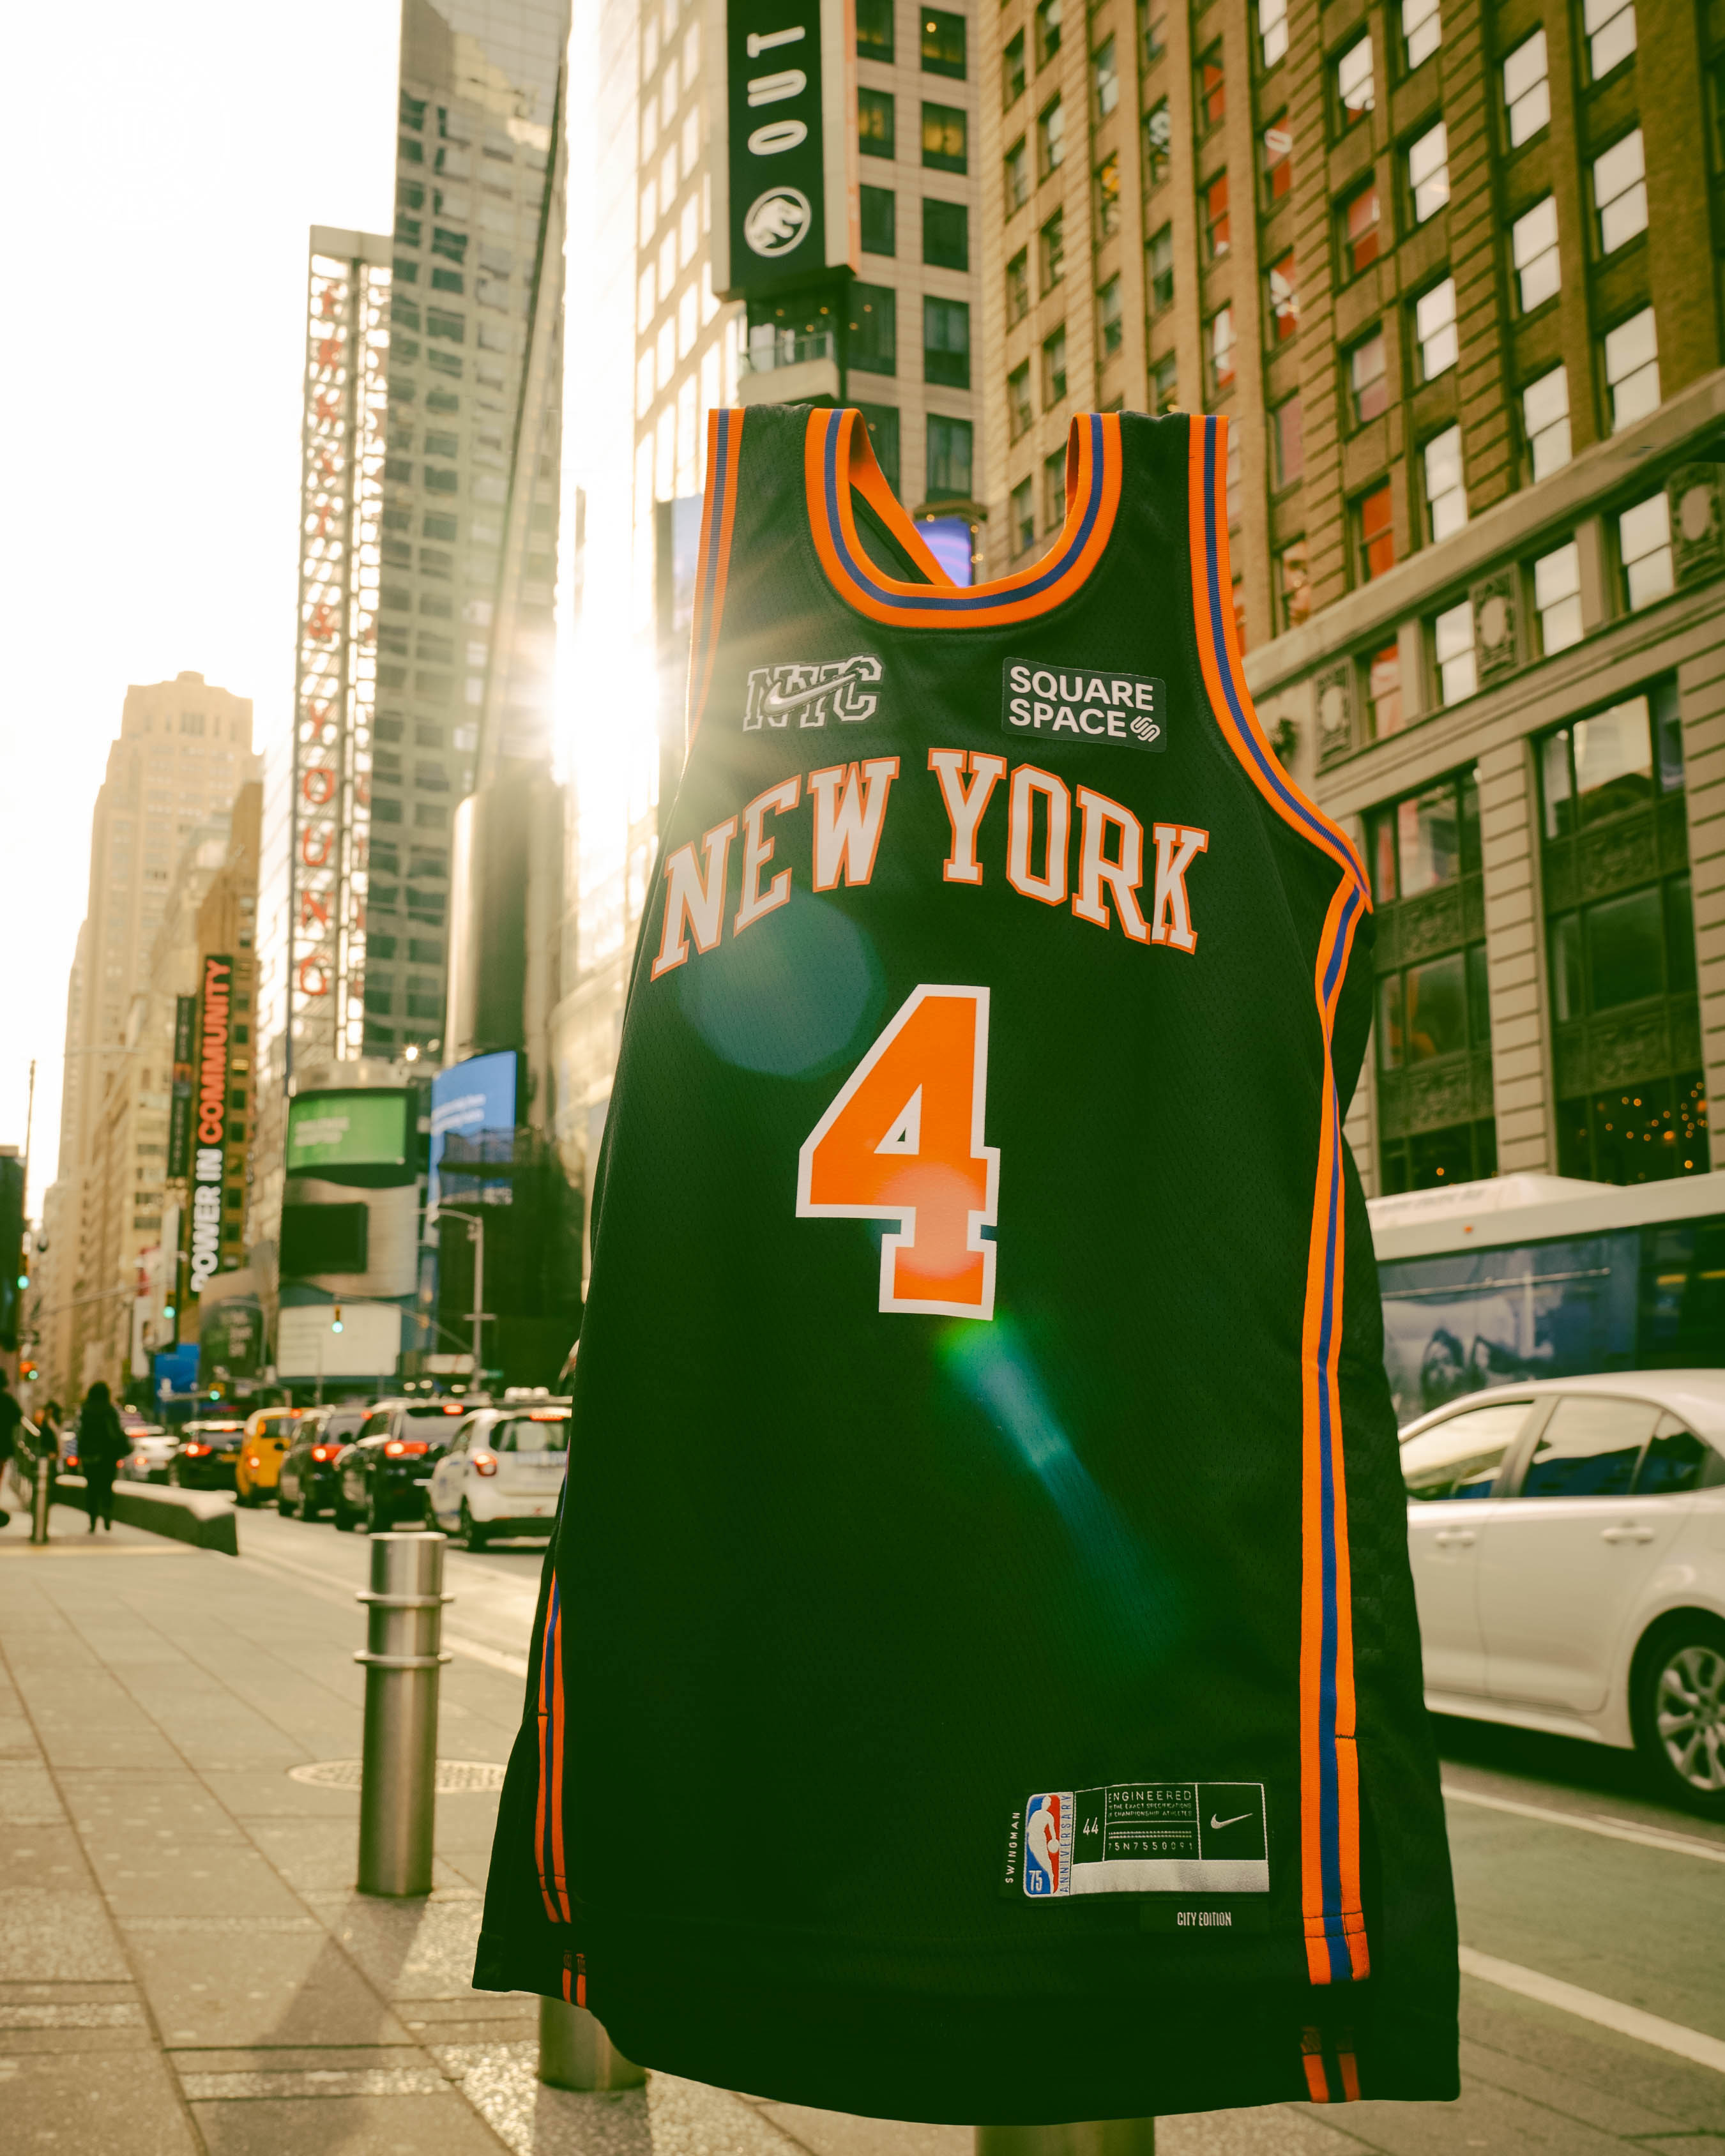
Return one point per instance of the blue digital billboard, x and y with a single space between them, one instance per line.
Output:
469 1102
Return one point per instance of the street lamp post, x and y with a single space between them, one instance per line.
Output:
475 1228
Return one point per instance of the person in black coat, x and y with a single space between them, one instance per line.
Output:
101 1447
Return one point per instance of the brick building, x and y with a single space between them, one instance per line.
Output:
1450 272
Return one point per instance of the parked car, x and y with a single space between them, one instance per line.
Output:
502 1475
1567 1542
378 1478
152 1448
306 1485
269 1431
204 1457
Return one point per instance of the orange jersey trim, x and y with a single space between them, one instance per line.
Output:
718 517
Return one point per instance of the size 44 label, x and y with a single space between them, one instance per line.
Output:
1142 1838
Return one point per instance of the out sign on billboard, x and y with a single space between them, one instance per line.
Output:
783 115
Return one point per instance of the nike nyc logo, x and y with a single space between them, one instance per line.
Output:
836 688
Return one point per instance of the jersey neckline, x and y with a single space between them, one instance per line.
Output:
837 456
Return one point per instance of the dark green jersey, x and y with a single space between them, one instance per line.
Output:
977 1676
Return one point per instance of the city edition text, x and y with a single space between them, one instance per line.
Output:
1079 850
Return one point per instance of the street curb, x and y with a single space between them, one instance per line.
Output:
185 1515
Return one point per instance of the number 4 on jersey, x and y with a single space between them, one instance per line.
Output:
903 1141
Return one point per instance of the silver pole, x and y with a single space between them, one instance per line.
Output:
401 1657
575 2052
42 1489
1096 2136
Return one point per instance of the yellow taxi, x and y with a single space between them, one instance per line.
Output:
268 1432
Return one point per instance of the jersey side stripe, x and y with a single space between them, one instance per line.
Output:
718 516
548 1821
1336 1945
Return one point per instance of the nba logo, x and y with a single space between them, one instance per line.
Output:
1043 1822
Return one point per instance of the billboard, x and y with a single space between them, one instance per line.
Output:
179 1113
209 1115
782 117
324 1239
470 1098
337 1340
366 1136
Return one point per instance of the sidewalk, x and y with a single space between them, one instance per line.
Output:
184 1964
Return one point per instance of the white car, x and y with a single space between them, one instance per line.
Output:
151 1449
503 1475
1568 1540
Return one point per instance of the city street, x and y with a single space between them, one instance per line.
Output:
183 1961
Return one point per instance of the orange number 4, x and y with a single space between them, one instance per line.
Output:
903 1141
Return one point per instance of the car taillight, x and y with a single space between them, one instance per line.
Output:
399 1446
196 1452
252 1461
322 1452
485 1463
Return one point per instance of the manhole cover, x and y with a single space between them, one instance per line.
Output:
454 1777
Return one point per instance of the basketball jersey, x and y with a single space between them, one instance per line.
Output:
976 1677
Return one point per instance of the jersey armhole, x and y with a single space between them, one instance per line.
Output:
1219 655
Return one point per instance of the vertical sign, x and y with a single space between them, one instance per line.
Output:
209 1119
179 1112
341 501
783 122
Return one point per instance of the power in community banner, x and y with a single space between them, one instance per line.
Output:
782 116
209 1117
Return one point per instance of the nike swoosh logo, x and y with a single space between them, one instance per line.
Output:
792 700
1216 1824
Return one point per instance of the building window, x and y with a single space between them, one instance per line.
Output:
1022 518
1047 31
1108 185
1422 31
1533 249
1622 759
949 459
872 346
1527 90
1159 269
1018 399
874 30
1632 369
1287 441
1054 369
1620 192
1110 325
1283 298
1155 40
945 139
1016 165
1360 230
1105 78
1452 647
1272 30
1012 72
1158 136
1165 384
1644 547
1435 330
946 234
1053 491
1050 140
1356 94
1641 1132
1556 598
1212 91
1220 341
874 130
1293 585
1429 173
1610 29
1215 218
1276 143
882 421
1445 495
1235 465
1425 842
1017 287
1051 252
1624 950
946 343
879 220
1374 533
1545 420
1384 692
1367 378
943 43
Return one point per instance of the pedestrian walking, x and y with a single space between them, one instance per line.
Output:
101 1447
11 1416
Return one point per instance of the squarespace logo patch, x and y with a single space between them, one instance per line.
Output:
1076 704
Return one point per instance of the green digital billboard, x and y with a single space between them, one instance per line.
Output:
368 1137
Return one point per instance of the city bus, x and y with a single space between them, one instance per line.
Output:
1544 1276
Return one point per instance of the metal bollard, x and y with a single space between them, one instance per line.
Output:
41 1496
575 2052
1096 2136
397 1789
